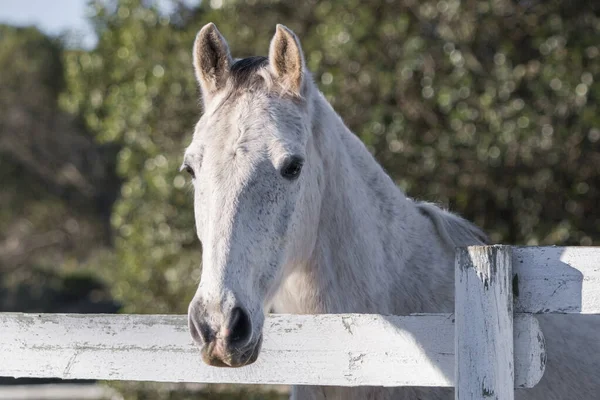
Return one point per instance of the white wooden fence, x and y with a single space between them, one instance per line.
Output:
491 344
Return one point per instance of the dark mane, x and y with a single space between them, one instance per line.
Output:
243 72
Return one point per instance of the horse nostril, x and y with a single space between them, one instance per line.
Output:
199 331
240 327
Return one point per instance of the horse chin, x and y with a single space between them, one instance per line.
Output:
235 358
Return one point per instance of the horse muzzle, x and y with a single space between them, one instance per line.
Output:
230 345
219 354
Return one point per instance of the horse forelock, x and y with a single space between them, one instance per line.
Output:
245 72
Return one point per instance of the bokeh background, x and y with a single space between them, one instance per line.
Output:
487 107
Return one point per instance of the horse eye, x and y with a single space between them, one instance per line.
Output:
292 168
189 170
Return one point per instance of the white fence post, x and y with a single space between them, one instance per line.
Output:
484 366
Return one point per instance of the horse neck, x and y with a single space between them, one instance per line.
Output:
367 234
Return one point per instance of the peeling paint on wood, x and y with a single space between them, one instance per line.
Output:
557 279
415 350
485 365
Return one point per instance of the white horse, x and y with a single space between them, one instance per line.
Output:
295 215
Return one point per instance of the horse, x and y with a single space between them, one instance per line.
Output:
295 215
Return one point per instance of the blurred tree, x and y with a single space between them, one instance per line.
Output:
58 185
136 89
49 145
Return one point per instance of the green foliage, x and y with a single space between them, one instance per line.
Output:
49 291
47 213
35 59
144 98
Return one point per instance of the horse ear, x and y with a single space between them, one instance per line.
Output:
286 59
212 59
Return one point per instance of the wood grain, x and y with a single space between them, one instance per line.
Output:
484 324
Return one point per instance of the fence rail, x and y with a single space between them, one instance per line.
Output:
497 338
556 279
348 350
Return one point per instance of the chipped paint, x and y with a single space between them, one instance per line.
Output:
347 321
335 349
